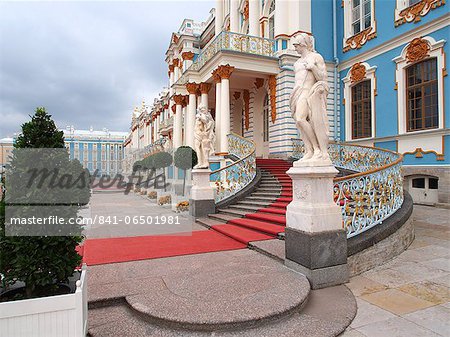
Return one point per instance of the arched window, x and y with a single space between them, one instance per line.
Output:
361 110
422 96
266 114
272 20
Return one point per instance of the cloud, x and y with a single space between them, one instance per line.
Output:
88 63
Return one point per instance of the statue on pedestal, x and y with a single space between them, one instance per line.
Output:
308 101
204 136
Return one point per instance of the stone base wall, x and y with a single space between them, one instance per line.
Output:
443 173
383 251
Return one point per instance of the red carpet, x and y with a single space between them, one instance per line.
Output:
113 250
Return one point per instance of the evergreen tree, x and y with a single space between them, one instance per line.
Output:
42 261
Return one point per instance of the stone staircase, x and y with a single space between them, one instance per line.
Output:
260 215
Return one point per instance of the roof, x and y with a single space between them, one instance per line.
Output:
95 133
7 140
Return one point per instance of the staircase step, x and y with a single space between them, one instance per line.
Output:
266 194
279 204
260 226
208 222
270 199
254 203
234 212
221 217
284 199
241 234
268 218
249 207
273 210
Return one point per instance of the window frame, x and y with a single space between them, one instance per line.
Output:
348 85
362 109
348 19
436 51
420 85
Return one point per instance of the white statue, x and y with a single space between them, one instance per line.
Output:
308 101
204 136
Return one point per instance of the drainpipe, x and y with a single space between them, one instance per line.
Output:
336 63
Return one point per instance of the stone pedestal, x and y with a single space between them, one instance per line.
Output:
202 194
316 243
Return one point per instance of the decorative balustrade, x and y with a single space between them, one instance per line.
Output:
234 42
234 177
371 195
168 122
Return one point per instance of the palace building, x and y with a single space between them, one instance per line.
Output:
387 73
101 152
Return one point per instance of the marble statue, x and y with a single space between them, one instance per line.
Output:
204 136
308 101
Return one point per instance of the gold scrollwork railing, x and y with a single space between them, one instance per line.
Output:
373 193
232 178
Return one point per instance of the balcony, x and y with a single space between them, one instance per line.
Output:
234 43
165 126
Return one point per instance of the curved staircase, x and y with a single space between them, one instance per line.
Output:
260 215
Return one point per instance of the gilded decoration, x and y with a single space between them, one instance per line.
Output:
178 99
175 62
185 101
236 95
246 10
205 87
415 12
259 82
273 97
174 109
358 40
188 55
371 195
192 87
417 50
225 71
246 97
357 72
166 106
175 39
419 152
216 76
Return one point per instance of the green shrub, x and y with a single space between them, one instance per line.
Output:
185 158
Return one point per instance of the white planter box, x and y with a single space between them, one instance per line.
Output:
59 316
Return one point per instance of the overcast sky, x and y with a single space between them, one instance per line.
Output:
88 63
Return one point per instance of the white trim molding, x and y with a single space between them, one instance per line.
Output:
359 72
434 49
356 41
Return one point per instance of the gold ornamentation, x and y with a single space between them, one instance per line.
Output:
185 101
178 99
216 76
247 109
418 152
175 62
358 40
357 72
259 83
246 10
417 50
273 97
415 12
205 87
188 55
174 109
236 95
175 39
192 87
225 71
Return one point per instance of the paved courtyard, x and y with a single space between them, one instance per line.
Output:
409 296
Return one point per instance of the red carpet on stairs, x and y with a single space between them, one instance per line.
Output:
113 250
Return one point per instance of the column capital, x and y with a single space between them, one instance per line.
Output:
185 101
166 106
216 76
225 71
188 55
171 68
174 109
192 87
175 62
246 11
178 99
205 87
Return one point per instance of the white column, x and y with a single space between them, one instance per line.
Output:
219 17
234 16
225 114
189 128
178 121
185 115
171 79
253 17
218 115
199 100
281 19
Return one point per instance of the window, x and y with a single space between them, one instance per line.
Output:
361 110
433 183
421 94
418 183
272 20
266 114
361 15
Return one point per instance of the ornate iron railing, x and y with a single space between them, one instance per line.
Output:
234 177
233 42
371 195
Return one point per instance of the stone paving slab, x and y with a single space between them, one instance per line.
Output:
273 248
